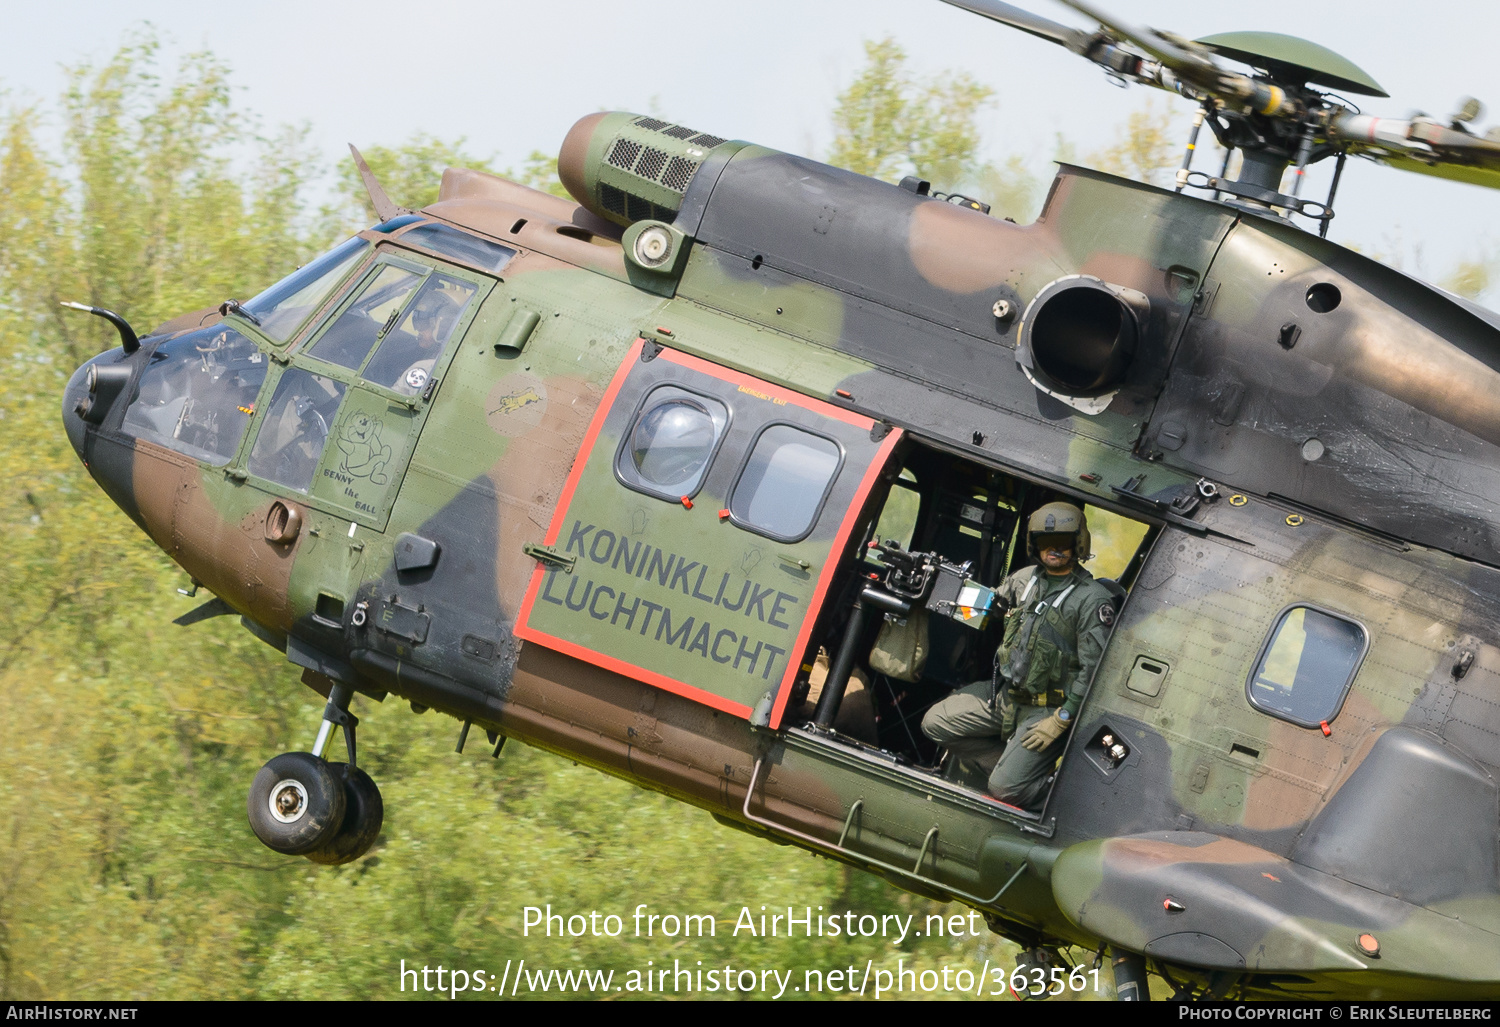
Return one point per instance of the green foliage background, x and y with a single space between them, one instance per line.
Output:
127 869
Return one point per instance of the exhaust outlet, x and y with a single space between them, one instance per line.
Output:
1078 338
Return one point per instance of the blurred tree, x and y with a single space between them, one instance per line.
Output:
1009 187
1145 149
115 727
160 223
539 171
872 123
888 124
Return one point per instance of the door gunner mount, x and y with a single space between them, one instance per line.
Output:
911 581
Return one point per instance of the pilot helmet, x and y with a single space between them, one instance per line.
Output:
1059 519
436 311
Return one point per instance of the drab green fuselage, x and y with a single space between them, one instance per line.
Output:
473 539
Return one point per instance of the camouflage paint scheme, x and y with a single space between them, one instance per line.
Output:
1282 844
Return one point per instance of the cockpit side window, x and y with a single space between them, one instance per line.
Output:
348 341
283 307
296 428
340 423
197 394
408 353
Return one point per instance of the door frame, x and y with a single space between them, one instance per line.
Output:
763 389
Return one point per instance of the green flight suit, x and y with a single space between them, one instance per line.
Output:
1064 640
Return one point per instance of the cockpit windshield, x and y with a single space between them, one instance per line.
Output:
198 393
283 307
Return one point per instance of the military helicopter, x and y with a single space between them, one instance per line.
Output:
641 478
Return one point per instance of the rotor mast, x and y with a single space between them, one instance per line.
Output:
1275 117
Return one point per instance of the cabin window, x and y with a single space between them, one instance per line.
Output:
283 307
197 394
295 429
671 443
1305 668
349 340
462 247
782 486
408 352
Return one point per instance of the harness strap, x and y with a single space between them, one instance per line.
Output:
1045 604
1029 586
1053 698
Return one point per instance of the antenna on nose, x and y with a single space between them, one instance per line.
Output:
129 342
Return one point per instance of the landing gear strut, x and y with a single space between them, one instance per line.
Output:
302 805
1130 976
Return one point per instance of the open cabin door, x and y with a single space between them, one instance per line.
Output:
699 532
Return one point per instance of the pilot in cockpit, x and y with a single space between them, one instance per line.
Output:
405 361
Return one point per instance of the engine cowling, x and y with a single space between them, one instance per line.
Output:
631 167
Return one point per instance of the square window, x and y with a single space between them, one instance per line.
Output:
407 354
671 442
348 341
784 482
1306 666
295 428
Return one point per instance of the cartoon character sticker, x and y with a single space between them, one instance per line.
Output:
507 405
365 456
515 404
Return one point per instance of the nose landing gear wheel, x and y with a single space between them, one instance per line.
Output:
363 813
296 803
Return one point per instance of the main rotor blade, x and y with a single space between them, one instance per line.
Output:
1421 145
1487 177
1005 14
384 208
1185 62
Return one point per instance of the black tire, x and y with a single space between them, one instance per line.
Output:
309 798
364 812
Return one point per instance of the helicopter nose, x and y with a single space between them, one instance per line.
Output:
74 395
92 393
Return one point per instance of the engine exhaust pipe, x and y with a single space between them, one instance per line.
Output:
1078 338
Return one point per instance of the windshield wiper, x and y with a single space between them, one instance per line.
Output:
237 308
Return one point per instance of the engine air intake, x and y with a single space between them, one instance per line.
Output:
628 168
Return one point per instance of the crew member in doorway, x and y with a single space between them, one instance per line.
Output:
1013 726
